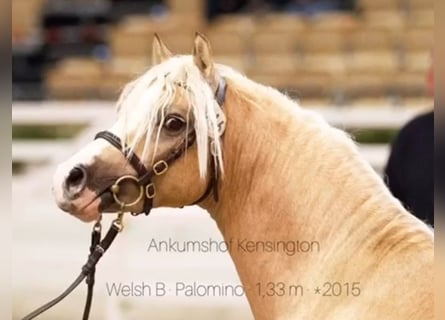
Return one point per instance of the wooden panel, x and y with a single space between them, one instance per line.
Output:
274 43
235 61
311 85
118 73
411 84
125 43
362 84
80 67
26 15
325 42
420 4
301 84
417 61
366 39
273 80
111 86
134 35
282 64
232 23
227 43
330 63
421 19
386 20
149 24
127 66
178 42
372 61
189 6
417 39
74 79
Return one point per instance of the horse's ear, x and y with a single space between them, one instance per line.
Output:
202 56
160 52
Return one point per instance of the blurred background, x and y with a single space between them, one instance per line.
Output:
363 64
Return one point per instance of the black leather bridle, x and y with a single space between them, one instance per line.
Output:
147 191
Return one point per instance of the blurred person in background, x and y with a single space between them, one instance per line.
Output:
410 168
318 6
217 7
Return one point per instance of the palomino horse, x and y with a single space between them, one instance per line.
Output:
282 175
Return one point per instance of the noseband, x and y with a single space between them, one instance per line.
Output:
147 191
144 181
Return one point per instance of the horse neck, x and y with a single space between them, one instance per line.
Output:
286 170
292 177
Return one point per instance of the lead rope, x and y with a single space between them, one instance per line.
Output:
97 249
95 240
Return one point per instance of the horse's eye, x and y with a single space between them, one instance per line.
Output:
174 123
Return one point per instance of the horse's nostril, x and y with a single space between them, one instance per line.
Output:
76 179
75 176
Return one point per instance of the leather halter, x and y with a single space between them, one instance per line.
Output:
144 180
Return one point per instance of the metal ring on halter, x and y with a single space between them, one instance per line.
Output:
115 191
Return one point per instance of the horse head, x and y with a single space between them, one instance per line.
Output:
164 148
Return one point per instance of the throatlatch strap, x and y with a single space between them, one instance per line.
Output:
220 93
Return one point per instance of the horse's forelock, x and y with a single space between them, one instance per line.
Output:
149 96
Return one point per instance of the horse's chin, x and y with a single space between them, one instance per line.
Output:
95 207
88 213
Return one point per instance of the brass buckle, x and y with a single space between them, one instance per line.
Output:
119 221
115 191
164 167
150 190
